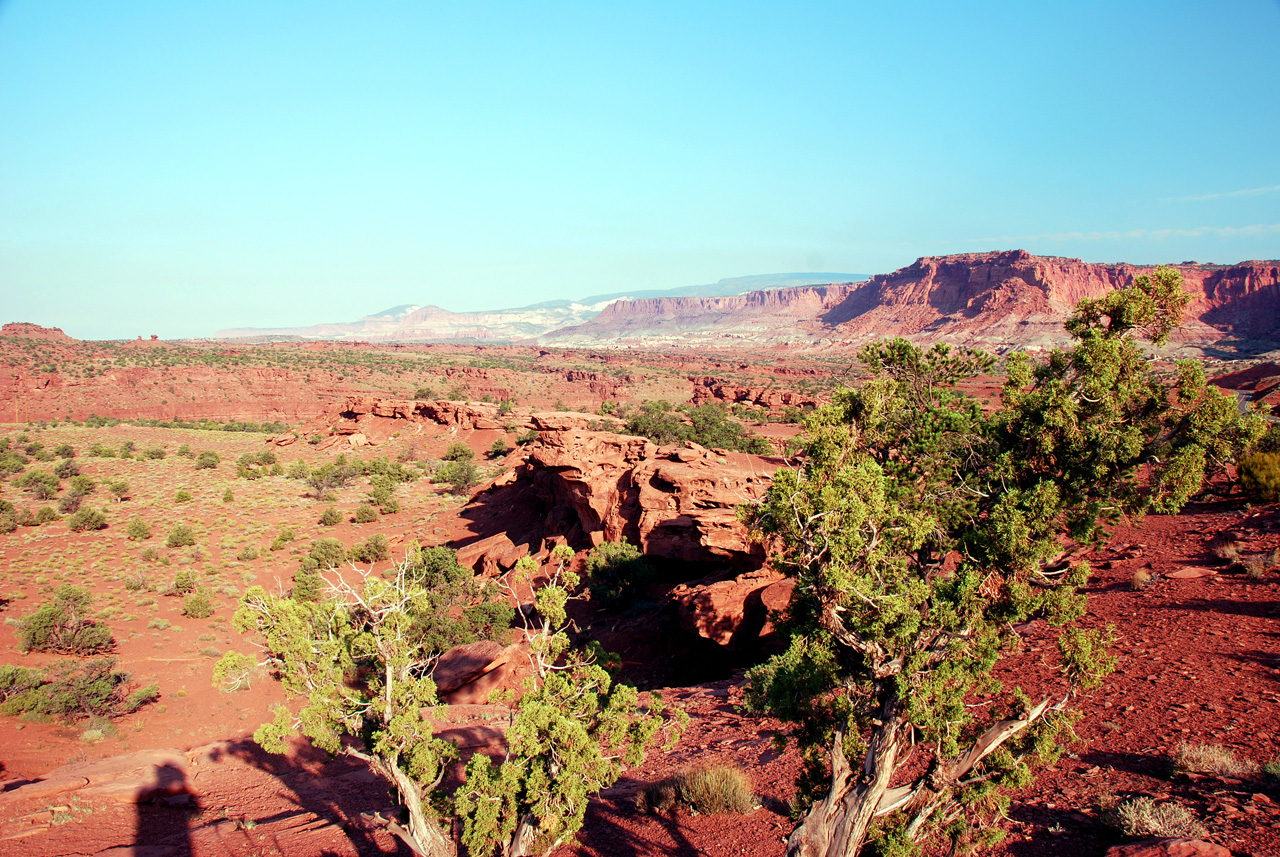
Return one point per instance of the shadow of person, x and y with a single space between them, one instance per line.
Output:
164 813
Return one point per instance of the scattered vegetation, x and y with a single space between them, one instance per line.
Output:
72 690
707 425
1209 759
180 535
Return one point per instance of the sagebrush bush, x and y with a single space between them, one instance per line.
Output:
87 519
233 672
458 451
183 496
1209 759
1142 817
184 581
72 690
282 539
207 460
180 535
64 625
365 514
375 549
458 475
707 790
246 553
138 530
198 605
1260 475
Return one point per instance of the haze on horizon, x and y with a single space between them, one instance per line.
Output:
180 168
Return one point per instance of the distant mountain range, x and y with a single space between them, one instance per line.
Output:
413 323
996 301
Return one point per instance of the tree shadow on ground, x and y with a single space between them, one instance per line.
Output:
1268 609
614 828
334 789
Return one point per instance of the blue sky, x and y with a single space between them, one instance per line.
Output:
175 168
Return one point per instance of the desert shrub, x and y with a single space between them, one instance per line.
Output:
183 496
708 425
73 690
180 535
458 475
66 468
184 582
98 450
499 448
233 672
198 605
390 506
283 538
207 460
365 514
82 484
70 502
45 515
526 437
330 517
615 571
1271 769
1210 759
118 489
1260 475
41 483
247 553
1142 817
424 393
154 453
297 469
64 625
374 549
87 519
184 450
138 530
64 450
228 496
458 451
328 476
707 790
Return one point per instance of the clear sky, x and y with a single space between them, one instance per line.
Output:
178 167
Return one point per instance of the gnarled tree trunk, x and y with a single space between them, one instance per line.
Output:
837 825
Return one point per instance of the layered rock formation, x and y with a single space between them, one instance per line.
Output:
586 487
993 300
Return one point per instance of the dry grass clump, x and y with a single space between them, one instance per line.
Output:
706 790
1142 817
1209 759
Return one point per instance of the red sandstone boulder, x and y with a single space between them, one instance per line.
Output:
718 611
462 664
507 671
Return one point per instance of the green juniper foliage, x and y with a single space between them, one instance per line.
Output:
890 644
65 625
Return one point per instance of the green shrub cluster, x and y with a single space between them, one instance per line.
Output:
180 535
72 690
87 519
207 460
1260 475
257 465
615 571
64 625
707 425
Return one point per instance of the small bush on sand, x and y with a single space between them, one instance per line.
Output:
138 530
283 538
207 460
87 519
233 672
1142 817
375 549
184 581
64 625
365 514
72 690
180 535
198 605
1208 759
706 790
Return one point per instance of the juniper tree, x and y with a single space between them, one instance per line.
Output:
572 733
921 529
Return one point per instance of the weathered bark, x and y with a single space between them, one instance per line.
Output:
424 836
522 840
837 825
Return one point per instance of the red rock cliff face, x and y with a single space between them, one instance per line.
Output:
1014 297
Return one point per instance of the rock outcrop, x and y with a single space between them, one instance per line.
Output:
26 330
585 487
709 389
727 610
